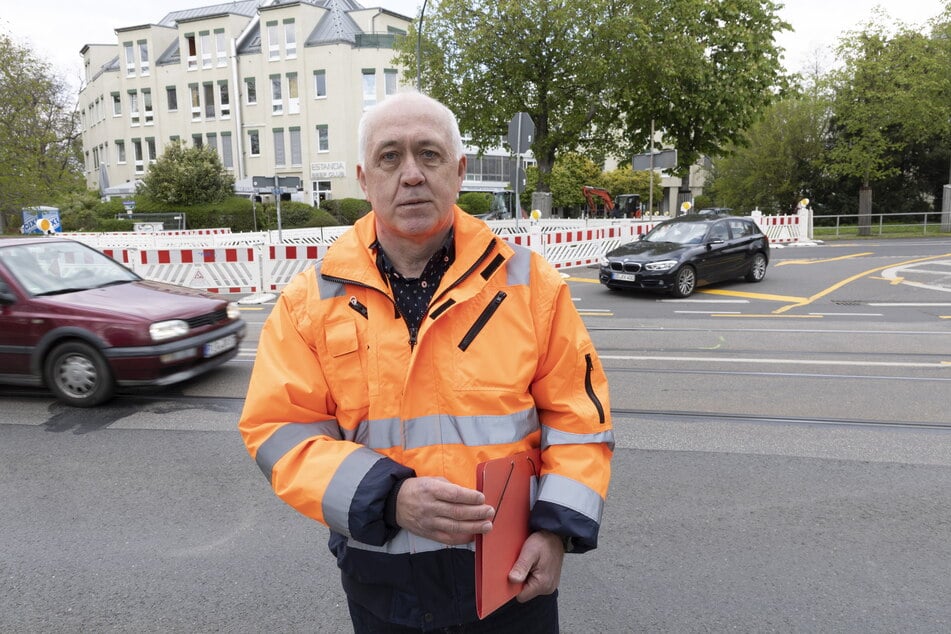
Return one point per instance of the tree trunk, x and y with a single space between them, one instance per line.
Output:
865 210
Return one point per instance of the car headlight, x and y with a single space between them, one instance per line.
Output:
663 265
603 261
162 330
233 311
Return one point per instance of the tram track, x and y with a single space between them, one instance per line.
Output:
720 417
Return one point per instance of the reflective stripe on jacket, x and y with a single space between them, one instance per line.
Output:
344 402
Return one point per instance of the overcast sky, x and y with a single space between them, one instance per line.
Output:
58 29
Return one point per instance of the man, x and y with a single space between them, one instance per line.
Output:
418 347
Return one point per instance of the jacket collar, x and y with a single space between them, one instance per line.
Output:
353 258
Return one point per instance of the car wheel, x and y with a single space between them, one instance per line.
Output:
757 269
78 375
685 282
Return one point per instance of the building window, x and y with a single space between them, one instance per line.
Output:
323 138
150 148
143 57
389 81
171 96
254 143
129 59
277 99
369 88
209 100
147 105
134 107
293 94
205 49
224 99
196 140
95 158
320 84
120 151
116 104
212 140
137 156
251 91
295 146
227 154
290 39
196 101
279 158
321 191
221 46
273 41
192 48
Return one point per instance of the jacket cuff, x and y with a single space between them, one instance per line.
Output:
389 508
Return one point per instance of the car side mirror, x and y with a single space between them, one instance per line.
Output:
6 295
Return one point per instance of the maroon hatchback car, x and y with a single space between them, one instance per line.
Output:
81 324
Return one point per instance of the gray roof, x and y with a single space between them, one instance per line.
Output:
248 8
335 26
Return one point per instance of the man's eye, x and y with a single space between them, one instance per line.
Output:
429 156
389 157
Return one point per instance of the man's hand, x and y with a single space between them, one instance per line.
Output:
439 510
538 565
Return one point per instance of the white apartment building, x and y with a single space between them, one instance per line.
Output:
276 87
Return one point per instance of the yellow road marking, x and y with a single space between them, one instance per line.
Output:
582 279
767 296
841 257
851 279
250 307
598 314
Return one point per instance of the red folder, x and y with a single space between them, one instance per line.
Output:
509 486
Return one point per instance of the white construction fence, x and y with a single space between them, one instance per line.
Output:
219 261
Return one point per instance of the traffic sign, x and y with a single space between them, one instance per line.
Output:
260 182
521 132
289 182
663 160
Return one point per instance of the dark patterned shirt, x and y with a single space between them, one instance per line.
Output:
413 295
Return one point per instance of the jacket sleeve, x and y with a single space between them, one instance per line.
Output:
577 440
289 428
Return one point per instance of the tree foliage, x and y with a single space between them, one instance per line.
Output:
40 159
594 74
187 176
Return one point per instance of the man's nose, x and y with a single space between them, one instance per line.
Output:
412 174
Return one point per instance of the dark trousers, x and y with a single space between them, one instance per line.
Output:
538 616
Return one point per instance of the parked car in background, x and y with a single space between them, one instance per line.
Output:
680 254
82 325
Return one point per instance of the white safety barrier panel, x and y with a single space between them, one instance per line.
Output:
219 261
285 261
235 270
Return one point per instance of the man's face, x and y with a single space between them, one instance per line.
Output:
409 174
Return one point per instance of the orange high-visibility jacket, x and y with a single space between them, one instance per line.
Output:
344 402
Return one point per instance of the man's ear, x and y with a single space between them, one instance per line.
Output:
362 178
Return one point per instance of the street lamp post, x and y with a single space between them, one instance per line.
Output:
419 42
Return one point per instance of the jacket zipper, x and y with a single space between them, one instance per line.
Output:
360 308
590 389
482 320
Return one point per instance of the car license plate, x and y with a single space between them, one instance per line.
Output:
218 346
625 277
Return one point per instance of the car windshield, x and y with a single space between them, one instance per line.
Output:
53 268
678 233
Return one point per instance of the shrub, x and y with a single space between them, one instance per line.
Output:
347 210
475 203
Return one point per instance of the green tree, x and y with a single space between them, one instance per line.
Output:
892 98
187 176
594 74
39 134
778 161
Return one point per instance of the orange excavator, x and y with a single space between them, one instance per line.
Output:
624 206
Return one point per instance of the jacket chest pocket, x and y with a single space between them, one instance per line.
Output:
491 350
347 367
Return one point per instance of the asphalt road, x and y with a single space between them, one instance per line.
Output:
783 464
